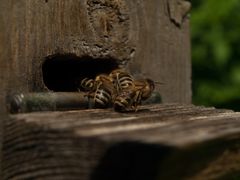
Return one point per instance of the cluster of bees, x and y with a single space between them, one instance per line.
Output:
117 89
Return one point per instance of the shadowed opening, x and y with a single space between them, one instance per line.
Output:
65 72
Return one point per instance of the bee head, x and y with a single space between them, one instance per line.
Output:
151 84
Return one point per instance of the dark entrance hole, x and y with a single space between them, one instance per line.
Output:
64 72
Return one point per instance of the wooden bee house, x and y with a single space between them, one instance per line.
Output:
48 45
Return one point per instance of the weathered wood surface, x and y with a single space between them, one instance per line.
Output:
158 142
148 34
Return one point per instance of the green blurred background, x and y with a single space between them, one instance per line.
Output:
215 28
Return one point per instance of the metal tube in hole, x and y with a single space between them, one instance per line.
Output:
47 101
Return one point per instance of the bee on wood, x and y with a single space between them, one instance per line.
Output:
100 90
121 80
104 91
129 99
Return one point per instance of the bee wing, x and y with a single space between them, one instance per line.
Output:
139 84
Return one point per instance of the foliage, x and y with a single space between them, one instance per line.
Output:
216 53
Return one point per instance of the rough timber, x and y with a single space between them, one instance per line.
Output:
170 141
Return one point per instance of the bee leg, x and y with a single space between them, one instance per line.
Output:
137 100
135 107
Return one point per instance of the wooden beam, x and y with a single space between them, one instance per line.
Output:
168 141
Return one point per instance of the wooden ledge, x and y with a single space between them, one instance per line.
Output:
169 141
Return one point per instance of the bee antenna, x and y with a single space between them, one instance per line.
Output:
159 83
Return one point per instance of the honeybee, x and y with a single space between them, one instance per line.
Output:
118 89
129 99
121 80
100 90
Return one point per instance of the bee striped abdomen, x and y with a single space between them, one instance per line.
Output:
88 84
102 98
124 101
125 80
121 79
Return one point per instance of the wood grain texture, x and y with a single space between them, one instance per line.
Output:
136 31
162 48
168 141
3 117
140 35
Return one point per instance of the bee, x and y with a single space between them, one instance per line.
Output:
129 99
104 92
121 80
100 90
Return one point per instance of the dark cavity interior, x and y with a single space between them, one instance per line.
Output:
65 72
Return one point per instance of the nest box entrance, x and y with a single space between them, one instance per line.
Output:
64 72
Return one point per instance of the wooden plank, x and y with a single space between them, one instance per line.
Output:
170 141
